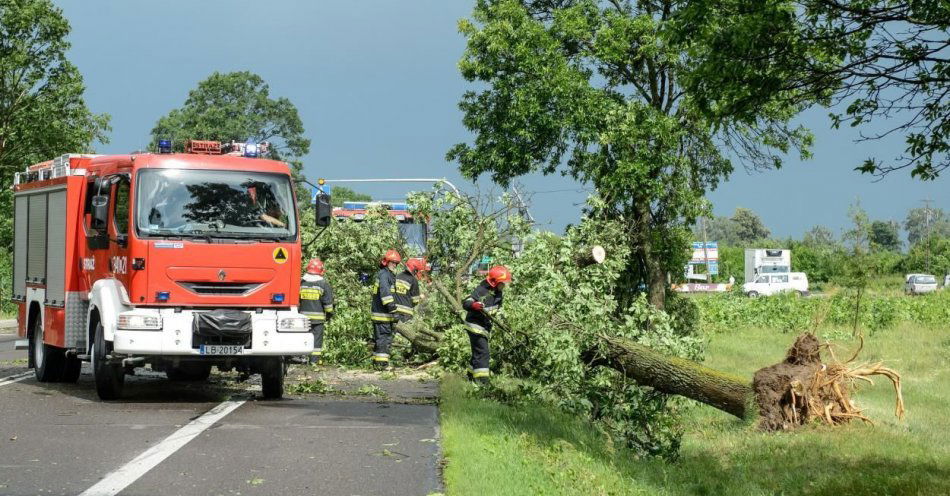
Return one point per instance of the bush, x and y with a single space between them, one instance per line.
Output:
791 313
7 307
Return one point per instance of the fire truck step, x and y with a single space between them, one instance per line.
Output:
21 344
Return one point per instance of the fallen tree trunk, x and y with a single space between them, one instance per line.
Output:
679 376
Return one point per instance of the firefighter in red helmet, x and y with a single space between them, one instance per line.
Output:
484 301
316 302
407 289
384 309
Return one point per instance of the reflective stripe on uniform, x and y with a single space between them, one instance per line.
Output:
416 300
328 308
317 352
310 294
404 309
481 373
380 357
315 315
403 286
383 317
477 329
387 300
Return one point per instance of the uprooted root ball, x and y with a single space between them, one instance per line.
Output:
802 388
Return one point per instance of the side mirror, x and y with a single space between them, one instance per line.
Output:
100 211
324 210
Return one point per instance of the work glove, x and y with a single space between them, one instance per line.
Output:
478 306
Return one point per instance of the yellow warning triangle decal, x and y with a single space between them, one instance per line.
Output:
280 255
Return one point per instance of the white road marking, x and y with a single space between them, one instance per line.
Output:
116 481
15 378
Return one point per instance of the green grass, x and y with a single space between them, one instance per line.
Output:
497 449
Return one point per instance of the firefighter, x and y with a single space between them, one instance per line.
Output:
407 289
384 309
316 302
484 301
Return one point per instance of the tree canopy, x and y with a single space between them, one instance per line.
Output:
235 106
595 90
885 62
885 236
340 194
42 111
923 222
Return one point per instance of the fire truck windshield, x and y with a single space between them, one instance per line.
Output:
214 203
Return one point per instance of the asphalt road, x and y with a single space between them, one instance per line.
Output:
206 439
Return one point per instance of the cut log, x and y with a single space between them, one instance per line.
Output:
679 376
421 340
590 255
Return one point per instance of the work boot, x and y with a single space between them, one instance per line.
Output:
381 366
481 381
316 360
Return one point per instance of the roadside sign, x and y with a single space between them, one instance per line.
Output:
700 255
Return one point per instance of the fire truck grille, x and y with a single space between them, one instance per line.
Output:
220 288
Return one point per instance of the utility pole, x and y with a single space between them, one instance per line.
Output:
705 250
927 203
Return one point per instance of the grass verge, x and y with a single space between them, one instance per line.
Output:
492 448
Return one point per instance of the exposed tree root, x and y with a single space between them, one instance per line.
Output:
802 389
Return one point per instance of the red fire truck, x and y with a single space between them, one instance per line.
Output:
180 260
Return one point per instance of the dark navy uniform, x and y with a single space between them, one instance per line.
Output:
406 293
479 325
316 302
383 315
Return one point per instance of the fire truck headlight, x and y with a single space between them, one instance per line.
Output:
293 324
139 322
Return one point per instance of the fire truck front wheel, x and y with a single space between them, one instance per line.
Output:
109 377
48 361
272 379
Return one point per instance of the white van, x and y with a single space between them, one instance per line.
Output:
769 284
919 284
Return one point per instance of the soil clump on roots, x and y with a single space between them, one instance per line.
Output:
802 388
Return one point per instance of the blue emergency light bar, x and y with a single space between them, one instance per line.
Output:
164 146
251 150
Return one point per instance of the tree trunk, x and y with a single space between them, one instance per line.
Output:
422 341
656 280
589 255
673 375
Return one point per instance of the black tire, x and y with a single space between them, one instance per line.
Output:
110 378
48 361
753 294
189 372
272 379
72 367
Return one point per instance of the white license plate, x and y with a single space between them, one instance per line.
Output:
221 349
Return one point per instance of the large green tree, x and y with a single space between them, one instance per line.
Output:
594 90
885 236
235 106
922 223
42 111
884 65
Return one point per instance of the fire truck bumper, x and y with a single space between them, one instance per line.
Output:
272 333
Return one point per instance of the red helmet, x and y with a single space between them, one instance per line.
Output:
390 256
498 274
415 265
315 267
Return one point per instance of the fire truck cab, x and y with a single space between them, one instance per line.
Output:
179 260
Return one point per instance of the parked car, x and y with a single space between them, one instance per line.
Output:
919 284
769 284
